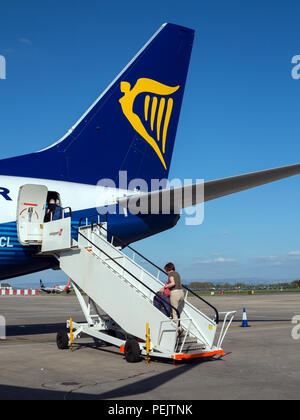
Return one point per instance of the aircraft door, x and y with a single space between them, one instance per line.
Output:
30 213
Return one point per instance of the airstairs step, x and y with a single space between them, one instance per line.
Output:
191 345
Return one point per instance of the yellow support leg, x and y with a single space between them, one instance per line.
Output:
147 359
71 334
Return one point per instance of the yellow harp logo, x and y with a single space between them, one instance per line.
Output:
159 132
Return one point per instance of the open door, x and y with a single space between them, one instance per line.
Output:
30 213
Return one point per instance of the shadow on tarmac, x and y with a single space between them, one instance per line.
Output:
34 329
127 391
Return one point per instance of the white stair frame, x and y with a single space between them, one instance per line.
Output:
123 290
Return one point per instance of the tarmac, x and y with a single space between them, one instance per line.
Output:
261 362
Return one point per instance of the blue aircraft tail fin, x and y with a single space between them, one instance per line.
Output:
130 127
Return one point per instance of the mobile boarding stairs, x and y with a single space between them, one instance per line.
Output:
124 291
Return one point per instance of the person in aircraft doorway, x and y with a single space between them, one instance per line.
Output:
53 211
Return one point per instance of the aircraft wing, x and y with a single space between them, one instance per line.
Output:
186 196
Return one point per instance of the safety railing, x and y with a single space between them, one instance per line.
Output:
62 215
168 321
216 320
65 210
225 326
128 272
87 218
185 336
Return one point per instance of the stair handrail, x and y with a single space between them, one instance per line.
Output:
63 209
217 318
132 275
92 215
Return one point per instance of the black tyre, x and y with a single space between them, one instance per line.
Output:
132 351
62 340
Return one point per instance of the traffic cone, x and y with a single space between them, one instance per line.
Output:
245 322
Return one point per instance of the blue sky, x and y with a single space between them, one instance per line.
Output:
240 113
